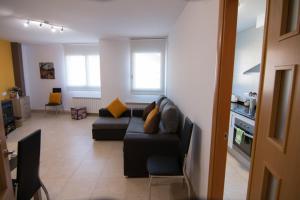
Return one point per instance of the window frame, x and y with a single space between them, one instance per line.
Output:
160 91
86 87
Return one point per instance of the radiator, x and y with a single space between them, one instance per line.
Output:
136 105
92 104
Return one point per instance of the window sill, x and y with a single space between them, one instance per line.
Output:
149 92
86 94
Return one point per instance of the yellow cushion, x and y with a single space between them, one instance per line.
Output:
55 98
117 108
150 118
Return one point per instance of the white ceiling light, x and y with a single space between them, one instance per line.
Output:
44 24
53 29
26 24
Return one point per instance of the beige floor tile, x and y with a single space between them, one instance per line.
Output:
236 180
75 167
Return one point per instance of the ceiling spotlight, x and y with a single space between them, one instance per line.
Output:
26 24
45 25
53 29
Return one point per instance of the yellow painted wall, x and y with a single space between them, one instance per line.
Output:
6 68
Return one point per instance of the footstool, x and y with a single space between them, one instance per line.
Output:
78 113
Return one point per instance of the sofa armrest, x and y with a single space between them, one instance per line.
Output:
137 112
103 112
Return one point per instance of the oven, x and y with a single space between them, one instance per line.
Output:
245 143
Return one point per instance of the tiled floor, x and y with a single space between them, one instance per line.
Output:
236 180
73 166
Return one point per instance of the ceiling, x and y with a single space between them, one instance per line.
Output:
86 21
248 11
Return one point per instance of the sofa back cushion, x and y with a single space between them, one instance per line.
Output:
159 100
162 104
169 118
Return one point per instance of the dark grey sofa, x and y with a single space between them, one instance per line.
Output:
106 127
138 146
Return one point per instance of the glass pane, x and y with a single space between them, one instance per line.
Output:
93 70
290 16
272 186
147 71
283 88
76 73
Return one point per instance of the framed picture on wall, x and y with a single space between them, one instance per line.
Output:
47 70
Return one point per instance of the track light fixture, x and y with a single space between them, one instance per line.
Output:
44 24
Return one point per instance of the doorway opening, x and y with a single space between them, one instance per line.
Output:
245 87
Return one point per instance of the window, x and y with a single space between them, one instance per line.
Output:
148 66
83 72
147 71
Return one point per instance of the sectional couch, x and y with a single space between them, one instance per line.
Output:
138 146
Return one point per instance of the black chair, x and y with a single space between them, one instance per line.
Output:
56 105
28 183
172 166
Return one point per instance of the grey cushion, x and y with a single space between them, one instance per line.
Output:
159 100
169 118
163 103
136 125
110 123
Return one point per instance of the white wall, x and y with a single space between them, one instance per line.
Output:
115 72
39 89
115 62
114 67
192 52
247 54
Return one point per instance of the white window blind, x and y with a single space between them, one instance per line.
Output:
148 66
82 67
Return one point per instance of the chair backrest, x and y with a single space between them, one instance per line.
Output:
28 166
56 90
185 138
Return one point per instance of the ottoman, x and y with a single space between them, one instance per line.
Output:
78 113
109 128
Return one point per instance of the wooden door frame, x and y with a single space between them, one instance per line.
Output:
228 13
228 10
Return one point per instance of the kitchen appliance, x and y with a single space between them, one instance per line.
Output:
234 98
245 145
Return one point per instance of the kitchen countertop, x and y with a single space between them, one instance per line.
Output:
241 109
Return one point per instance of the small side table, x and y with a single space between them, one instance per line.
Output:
78 113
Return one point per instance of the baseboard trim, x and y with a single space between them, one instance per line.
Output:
62 112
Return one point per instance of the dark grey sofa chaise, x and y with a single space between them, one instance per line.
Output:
106 127
138 146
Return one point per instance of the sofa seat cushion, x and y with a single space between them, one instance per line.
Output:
109 123
136 125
